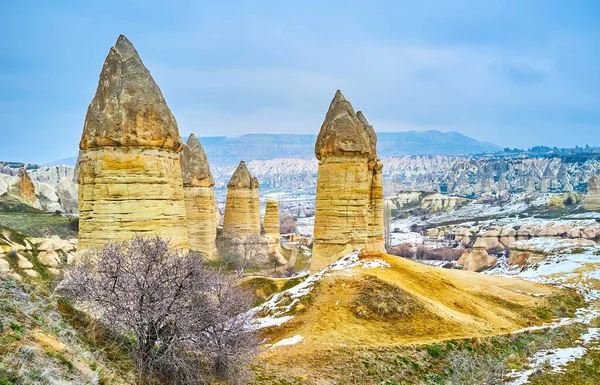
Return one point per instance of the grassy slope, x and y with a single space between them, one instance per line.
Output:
432 305
38 345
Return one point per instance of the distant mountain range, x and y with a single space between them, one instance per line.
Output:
223 150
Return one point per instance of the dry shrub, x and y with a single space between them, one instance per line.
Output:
188 323
380 300
287 224
470 369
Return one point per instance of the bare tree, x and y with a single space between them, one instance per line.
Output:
241 252
287 223
187 320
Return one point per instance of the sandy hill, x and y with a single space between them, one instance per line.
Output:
379 300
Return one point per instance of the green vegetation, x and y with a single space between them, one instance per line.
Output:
37 224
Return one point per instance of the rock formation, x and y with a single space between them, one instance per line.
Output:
130 174
199 194
67 195
23 189
375 213
347 217
242 210
592 198
271 231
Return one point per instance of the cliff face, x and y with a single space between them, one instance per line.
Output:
129 169
242 211
199 198
349 198
592 198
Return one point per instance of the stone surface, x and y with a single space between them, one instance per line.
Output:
4 266
344 182
48 258
592 198
242 210
66 191
375 209
199 195
130 179
271 231
476 259
23 189
23 263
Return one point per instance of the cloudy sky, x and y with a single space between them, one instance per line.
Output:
517 73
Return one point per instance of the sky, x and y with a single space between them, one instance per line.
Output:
516 73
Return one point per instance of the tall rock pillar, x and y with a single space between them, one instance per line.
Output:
375 210
198 187
271 230
592 198
343 185
129 171
242 210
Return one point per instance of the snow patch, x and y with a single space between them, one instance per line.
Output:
288 341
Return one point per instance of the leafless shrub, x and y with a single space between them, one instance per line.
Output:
188 322
287 224
290 271
240 253
469 369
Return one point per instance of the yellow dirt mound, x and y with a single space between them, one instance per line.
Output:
404 303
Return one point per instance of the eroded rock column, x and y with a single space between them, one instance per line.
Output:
129 170
592 198
200 205
242 210
271 230
343 185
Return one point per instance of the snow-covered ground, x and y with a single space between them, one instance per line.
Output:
277 312
565 267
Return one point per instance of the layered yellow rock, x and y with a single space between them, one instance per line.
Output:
344 181
200 205
129 171
271 230
375 215
242 210
592 198
23 189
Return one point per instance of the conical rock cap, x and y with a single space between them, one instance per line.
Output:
341 132
195 169
128 109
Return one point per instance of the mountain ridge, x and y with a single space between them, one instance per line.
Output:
228 150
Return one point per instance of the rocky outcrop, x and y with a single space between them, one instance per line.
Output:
23 189
476 259
199 194
346 216
66 191
130 174
271 231
242 210
592 198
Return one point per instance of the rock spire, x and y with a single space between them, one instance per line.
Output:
199 195
242 211
592 198
129 169
349 201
